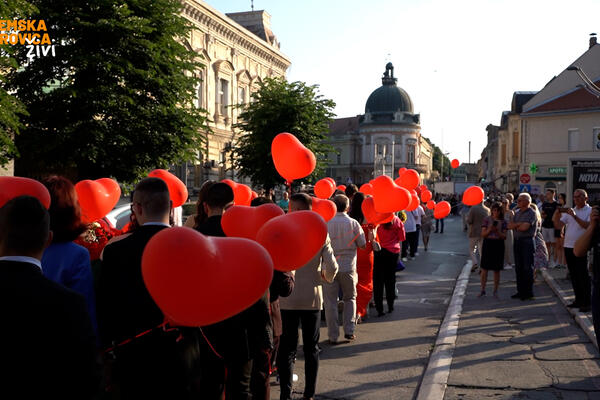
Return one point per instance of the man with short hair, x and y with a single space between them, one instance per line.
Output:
524 224
346 236
548 231
475 218
49 347
576 220
284 202
146 356
303 308
350 191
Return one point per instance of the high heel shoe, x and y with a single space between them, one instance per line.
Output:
481 294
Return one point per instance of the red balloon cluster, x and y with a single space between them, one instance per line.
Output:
366 188
242 194
473 196
14 186
293 239
245 222
97 198
324 188
325 208
188 275
426 195
177 189
408 179
372 216
388 196
292 160
455 163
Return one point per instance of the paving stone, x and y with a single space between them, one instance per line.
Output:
499 374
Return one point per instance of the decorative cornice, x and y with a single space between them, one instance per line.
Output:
238 37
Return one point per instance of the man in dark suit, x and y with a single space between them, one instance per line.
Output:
144 356
48 345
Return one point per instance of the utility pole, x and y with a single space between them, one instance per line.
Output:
469 152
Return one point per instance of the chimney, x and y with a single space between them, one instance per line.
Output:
593 39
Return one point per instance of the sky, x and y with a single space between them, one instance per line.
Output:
460 61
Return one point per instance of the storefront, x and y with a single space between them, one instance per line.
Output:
584 174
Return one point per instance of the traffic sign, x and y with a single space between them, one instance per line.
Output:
525 188
525 178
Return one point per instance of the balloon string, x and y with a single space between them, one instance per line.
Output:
219 356
139 335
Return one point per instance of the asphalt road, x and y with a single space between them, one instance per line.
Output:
388 358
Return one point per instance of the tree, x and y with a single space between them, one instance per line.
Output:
280 106
437 162
117 97
10 107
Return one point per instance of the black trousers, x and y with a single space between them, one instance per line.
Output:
523 249
437 223
384 276
411 241
580 278
311 322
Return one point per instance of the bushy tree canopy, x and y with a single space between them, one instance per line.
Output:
281 106
117 97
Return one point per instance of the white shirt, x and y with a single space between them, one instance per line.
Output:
24 259
418 213
346 236
572 229
409 224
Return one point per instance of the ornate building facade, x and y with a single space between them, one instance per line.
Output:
238 51
382 140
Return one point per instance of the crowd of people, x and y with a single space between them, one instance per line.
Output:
98 333
530 236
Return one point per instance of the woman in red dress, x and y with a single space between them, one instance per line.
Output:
364 259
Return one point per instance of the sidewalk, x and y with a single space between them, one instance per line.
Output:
508 348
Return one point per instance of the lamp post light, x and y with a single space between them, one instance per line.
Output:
588 85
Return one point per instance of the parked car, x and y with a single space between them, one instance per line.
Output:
119 216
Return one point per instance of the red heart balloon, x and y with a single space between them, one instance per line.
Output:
331 180
15 186
401 171
94 200
342 188
254 195
431 204
324 189
388 196
426 196
177 189
366 188
441 210
293 239
112 188
292 160
372 216
325 208
409 179
414 201
455 163
242 195
188 275
473 196
245 222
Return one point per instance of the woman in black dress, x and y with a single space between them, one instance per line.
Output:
493 231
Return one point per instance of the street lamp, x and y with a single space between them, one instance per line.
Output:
588 85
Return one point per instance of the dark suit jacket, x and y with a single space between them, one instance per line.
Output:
48 345
150 366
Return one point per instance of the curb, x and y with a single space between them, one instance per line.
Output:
582 319
435 379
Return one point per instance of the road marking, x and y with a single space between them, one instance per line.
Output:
435 379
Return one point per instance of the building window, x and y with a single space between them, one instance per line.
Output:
573 139
503 154
223 96
410 154
241 95
515 144
199 92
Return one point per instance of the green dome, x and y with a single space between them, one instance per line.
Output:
389 98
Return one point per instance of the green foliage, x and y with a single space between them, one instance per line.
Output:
117 99
281 106
10 107
437 162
